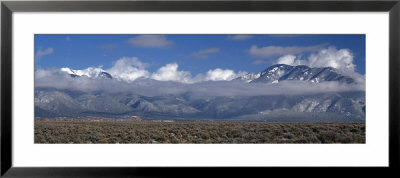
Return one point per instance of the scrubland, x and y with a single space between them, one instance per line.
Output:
149 132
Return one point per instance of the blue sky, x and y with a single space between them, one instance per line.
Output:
198 53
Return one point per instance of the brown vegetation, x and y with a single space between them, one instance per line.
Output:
51 131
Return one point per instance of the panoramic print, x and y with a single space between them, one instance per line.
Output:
199 88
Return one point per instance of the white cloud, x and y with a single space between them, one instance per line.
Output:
40 53
341 59
287 59
220 74
129 69
291 60
239 37
205 52
150 41
270 51
170 72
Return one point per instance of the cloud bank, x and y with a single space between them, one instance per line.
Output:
55 78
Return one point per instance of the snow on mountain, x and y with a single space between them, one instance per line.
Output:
91 72
281 72
249 77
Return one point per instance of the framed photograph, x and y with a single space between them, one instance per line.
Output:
158 88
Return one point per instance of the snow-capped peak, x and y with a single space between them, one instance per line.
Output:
90 72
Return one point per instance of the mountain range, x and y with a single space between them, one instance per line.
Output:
322 106
282 72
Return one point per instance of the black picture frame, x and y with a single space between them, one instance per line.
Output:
8 7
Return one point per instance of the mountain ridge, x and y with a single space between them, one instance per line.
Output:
281 72
55 102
